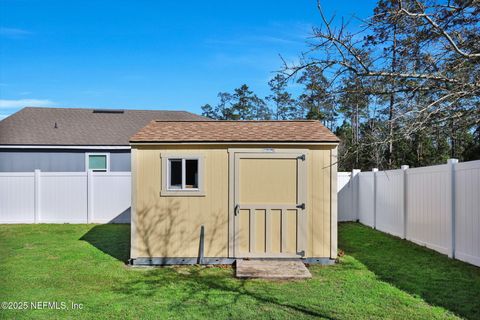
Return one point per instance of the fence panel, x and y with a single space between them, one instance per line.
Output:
365 198
389 202
467 212
17 200
342 179
63 197
429 207
111 197
345 191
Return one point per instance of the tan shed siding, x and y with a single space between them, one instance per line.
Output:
133 238
169 226
333 204
319 199
326 193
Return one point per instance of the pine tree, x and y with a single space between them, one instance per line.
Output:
246 105
243 104
283 103
353 104
420 60
316 101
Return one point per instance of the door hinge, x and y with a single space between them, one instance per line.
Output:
302 157
301 206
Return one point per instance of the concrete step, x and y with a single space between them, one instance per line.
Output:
272 269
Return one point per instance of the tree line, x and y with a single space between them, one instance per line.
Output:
405 89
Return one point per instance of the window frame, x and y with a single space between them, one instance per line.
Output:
166 189
87 161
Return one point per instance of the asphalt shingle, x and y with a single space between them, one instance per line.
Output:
86 127
234 131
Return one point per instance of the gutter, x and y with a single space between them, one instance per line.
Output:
96 147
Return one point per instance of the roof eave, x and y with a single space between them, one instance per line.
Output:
143 143
64 146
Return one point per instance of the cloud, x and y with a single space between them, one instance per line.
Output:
6 104
3 116
251 40
262 61
13 32
254 40
274 34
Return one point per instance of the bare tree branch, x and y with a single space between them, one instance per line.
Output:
437 27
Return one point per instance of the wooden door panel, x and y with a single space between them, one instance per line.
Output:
243 234
268 189
290 235
275 231
261 182
259 232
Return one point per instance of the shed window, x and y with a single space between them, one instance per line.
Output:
97 162
191 173
183 174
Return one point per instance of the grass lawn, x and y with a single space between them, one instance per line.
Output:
378 277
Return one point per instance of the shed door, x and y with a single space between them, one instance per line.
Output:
270 213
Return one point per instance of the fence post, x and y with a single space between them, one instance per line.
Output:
89 196
451 180
354 186
375 170
405 203
36 191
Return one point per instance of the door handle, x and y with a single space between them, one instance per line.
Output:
301 206
237 208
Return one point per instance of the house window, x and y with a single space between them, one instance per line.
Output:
182 175
98 162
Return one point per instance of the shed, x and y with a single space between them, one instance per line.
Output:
215 191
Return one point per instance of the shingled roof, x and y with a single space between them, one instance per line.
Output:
234 131
85 127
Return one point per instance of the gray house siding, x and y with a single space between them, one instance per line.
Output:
120 161
61 160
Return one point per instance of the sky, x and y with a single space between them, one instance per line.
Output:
167 55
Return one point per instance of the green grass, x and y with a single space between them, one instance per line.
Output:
379 277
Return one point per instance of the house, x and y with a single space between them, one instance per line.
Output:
213 191
73 140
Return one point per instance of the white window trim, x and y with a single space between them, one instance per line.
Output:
167 191
87 156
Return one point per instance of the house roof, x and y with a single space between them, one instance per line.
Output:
85 127
233 131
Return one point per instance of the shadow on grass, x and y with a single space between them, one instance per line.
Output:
112 239
210 289
421 272
435 278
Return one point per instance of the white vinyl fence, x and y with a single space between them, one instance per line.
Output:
436 206
345 191
65 197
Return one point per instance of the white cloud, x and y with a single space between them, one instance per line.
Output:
4 103
3 116
13 32
272 34
251 40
